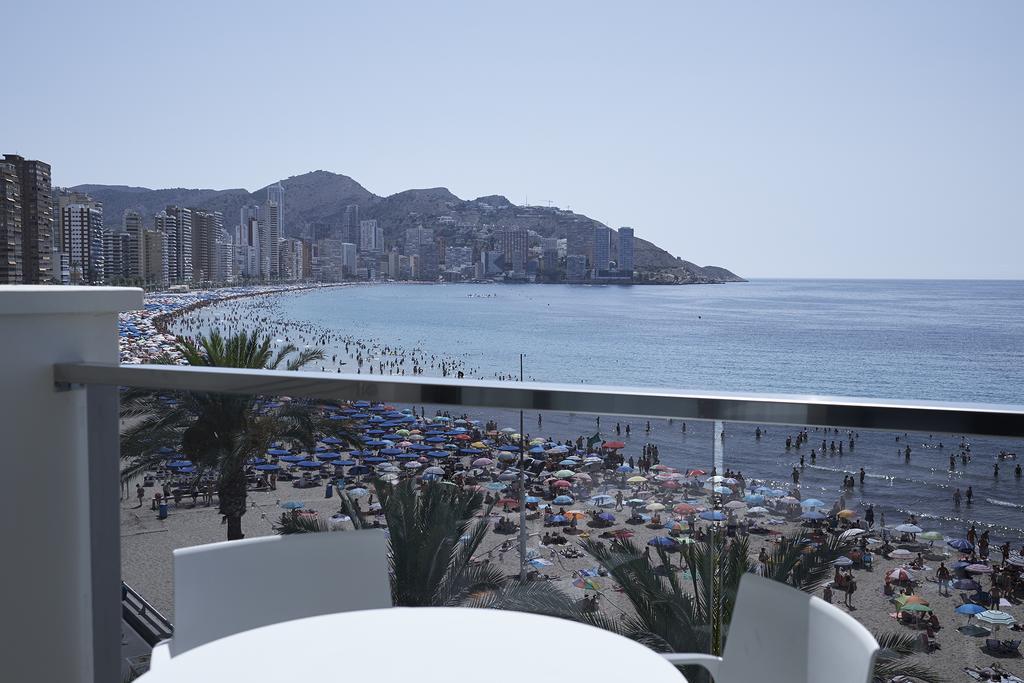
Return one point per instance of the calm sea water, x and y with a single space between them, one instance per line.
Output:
931 340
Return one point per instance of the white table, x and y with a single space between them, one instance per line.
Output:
419 645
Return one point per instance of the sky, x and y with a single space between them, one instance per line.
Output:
778 139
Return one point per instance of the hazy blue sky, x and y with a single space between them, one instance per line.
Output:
866 139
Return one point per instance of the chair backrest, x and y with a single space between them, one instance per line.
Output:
228 587
781 635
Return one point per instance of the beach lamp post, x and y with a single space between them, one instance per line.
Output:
522 487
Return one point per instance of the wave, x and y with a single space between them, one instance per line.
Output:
1004 503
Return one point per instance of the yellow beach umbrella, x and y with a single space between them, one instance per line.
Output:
846 514
576 514
636 480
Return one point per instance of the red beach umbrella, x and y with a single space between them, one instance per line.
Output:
613 445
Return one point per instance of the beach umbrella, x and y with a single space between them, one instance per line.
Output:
374 459
602 500
788 500
606 516
978 569
812 503
393 451
328 456
757 510
587 583
716 479
899 574
684 509
582 476
563 500
915 607
470 451
961 544
932 536
663 542
735 505
712 515
508 475
846 514
753 498
310 464
277 452
358 469
483 462
559 519
293 505
623 469
183 463
623 533
568 463
901 554
813 515
851 533
561 484
564 474
358 492
910 600
655 507
412 465
575 514
267 468
842 561
671 484
292 458
970 609
635 502
908 529
966 585
495 486
722 490
995 617
695 473
332 440
532 500
613 445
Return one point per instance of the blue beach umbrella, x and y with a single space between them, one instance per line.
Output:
292 458
606 516
713 515
602 499
563 500
436 454
277 451
377 443
331 440
267 468
537 450
812 503
532 500
421 447
569 463
180 463
509 448
753 499
345 463
374 459
970 609
310 464
662 542
434 439
495 486
404 456
392 451
966 585
623 469
961 544
328 456
187 470
721 490
559 519
470 451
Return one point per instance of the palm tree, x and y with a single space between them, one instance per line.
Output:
671 615
434 533
220 432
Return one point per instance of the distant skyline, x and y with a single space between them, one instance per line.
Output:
789 139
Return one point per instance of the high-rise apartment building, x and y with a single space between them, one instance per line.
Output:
626 262
457 258
115 256
291 259
35 233
207 229
82 239
350 224
131 224
271 232
249 243
415 237
371 237
154 257
11 252
602 248
515 244
176 223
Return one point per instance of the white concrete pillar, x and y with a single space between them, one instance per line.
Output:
48 566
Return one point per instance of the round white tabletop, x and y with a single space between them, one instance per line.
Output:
419 645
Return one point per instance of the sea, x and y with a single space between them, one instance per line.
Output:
943 340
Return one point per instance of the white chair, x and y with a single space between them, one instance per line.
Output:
233 586
781 635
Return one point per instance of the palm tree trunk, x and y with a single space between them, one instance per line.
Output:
231 491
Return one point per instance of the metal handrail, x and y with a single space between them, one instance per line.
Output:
850 413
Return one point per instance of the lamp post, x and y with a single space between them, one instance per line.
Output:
522 487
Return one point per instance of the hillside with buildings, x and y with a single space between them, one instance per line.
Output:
319 226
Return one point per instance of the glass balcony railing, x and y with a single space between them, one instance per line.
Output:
636 511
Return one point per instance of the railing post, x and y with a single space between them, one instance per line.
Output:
61 563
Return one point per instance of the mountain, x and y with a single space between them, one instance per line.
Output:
321 197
